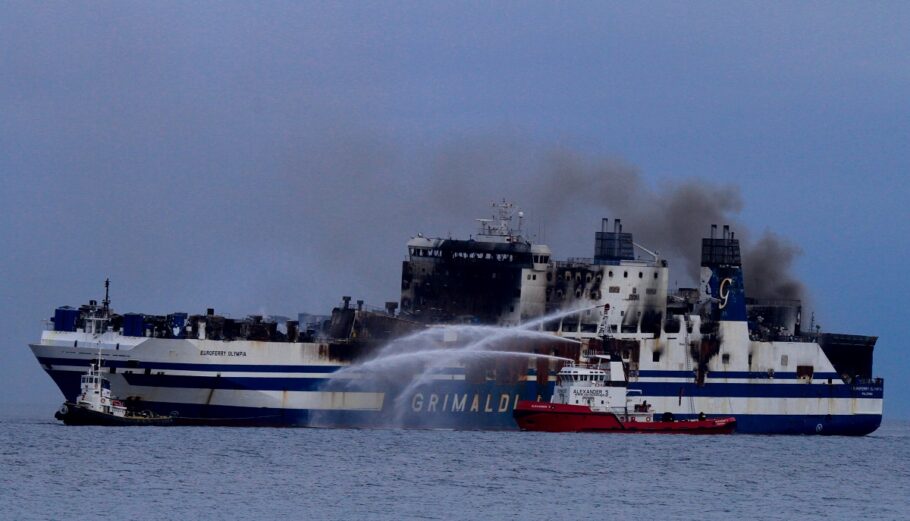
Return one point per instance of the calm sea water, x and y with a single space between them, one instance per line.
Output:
50 471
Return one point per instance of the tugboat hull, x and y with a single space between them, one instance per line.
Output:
72 414
551 417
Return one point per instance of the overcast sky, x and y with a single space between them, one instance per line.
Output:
271 157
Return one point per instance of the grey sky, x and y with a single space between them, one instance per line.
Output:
272 157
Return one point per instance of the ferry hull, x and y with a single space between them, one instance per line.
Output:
215 393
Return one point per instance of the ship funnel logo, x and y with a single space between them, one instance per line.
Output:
723 291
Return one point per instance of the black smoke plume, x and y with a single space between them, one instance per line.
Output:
357 201
569 193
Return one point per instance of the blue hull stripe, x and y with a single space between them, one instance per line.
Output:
195 367
781 375
680 389
750 390
218 368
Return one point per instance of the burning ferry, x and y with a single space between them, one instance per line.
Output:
480 325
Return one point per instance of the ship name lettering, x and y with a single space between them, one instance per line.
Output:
589 392
434 402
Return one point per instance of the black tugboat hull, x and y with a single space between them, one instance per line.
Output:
72 414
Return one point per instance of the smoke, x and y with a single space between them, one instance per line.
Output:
356 200
569 193
767 268
672 217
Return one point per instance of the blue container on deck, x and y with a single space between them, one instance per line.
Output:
176 322
133 324
65 318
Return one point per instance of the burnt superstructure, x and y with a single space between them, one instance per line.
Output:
479 280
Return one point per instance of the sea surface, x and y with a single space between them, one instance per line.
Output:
50 471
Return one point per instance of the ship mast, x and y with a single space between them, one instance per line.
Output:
106 303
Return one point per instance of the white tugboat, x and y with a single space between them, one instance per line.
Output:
595 399
96 406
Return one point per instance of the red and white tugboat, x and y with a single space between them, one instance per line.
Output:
595 399
95 406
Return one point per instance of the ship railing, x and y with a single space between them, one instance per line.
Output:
373 309
576 260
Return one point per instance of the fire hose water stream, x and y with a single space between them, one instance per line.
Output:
415 360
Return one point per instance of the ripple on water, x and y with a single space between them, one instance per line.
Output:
54 472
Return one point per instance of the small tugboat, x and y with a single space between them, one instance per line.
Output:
94 406
595 399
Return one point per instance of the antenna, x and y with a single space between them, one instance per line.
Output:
107 298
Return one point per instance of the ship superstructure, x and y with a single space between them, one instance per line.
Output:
706 351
